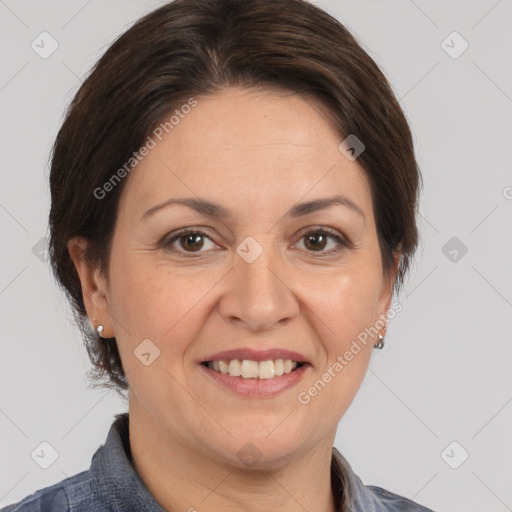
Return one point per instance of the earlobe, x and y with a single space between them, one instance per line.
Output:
92 283
386 295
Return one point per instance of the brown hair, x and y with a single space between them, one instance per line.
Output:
189 48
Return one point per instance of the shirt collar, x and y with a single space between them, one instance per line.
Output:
114 477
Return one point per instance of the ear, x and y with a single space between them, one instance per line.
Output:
94 287
387 287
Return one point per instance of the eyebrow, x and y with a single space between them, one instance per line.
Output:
215 210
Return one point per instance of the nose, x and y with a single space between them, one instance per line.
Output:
258 295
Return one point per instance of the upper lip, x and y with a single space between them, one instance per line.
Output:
256 355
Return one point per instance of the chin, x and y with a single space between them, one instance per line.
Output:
261 448
257 456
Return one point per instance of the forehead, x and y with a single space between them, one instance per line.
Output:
248 147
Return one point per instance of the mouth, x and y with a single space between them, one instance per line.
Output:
251 369
253 373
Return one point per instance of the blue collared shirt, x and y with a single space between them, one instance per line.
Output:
112 484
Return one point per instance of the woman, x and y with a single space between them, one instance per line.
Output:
234 192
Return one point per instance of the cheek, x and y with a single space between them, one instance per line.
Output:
342 309
154 301
346 303
155 314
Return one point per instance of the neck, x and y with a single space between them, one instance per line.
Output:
186 478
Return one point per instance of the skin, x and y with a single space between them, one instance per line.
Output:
257 153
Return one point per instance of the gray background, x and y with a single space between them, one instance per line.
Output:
444 374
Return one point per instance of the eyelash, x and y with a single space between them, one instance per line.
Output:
316 230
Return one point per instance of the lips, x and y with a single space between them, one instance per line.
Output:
250 364
257 382
252 372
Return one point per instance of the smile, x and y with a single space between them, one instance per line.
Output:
249 369
255 386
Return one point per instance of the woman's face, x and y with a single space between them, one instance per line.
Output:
265 278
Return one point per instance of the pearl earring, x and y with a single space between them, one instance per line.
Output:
380 343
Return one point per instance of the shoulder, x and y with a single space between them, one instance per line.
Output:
393 502
110 483
54 498
358 497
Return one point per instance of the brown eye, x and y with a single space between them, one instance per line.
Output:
190 241
316 242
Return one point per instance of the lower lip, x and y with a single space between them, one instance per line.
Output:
257 387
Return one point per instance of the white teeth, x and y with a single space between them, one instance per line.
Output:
235 368
266 369
287 365
278 367
249 369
